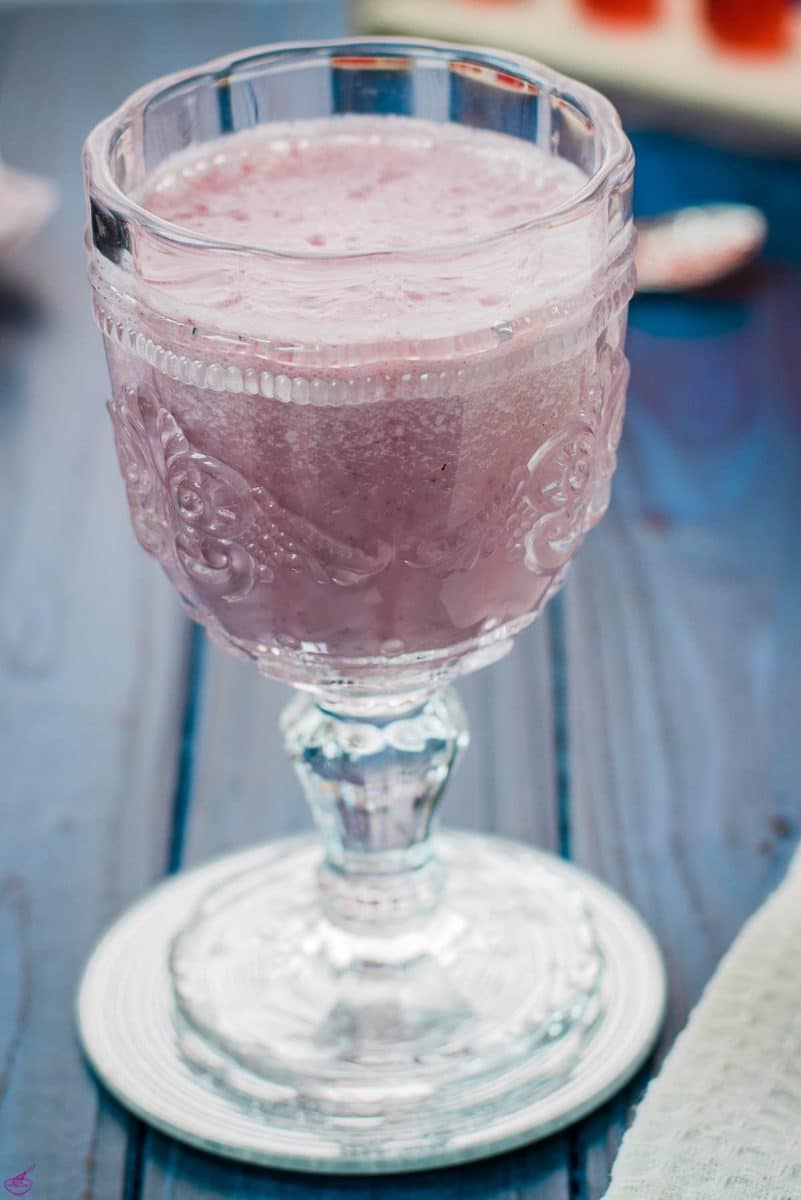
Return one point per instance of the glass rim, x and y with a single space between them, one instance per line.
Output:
616 153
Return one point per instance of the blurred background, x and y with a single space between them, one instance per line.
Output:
647 726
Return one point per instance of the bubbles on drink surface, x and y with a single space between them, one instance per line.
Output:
390 183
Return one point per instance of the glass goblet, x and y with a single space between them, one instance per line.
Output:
366 480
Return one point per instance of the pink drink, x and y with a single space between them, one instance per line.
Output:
394 458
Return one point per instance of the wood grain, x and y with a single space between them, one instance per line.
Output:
92 647
683 644
678 644
91 657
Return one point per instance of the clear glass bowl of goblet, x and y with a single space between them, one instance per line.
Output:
365 459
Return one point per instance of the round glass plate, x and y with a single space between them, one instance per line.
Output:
131 1032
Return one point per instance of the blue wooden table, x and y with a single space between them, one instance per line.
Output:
646 727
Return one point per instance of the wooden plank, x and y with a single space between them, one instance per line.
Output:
683 681
91 653
92 646
683 637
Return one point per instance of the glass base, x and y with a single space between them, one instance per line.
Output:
444 1058
381 1030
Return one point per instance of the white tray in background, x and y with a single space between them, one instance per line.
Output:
673 60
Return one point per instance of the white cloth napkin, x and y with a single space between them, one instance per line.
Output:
723 1117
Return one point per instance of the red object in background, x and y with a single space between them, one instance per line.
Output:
623 12
753 26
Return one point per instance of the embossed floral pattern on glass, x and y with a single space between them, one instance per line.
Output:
480 545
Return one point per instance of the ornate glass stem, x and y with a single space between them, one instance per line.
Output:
373 783
407 975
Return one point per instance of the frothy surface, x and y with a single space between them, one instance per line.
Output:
359 184
355 184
